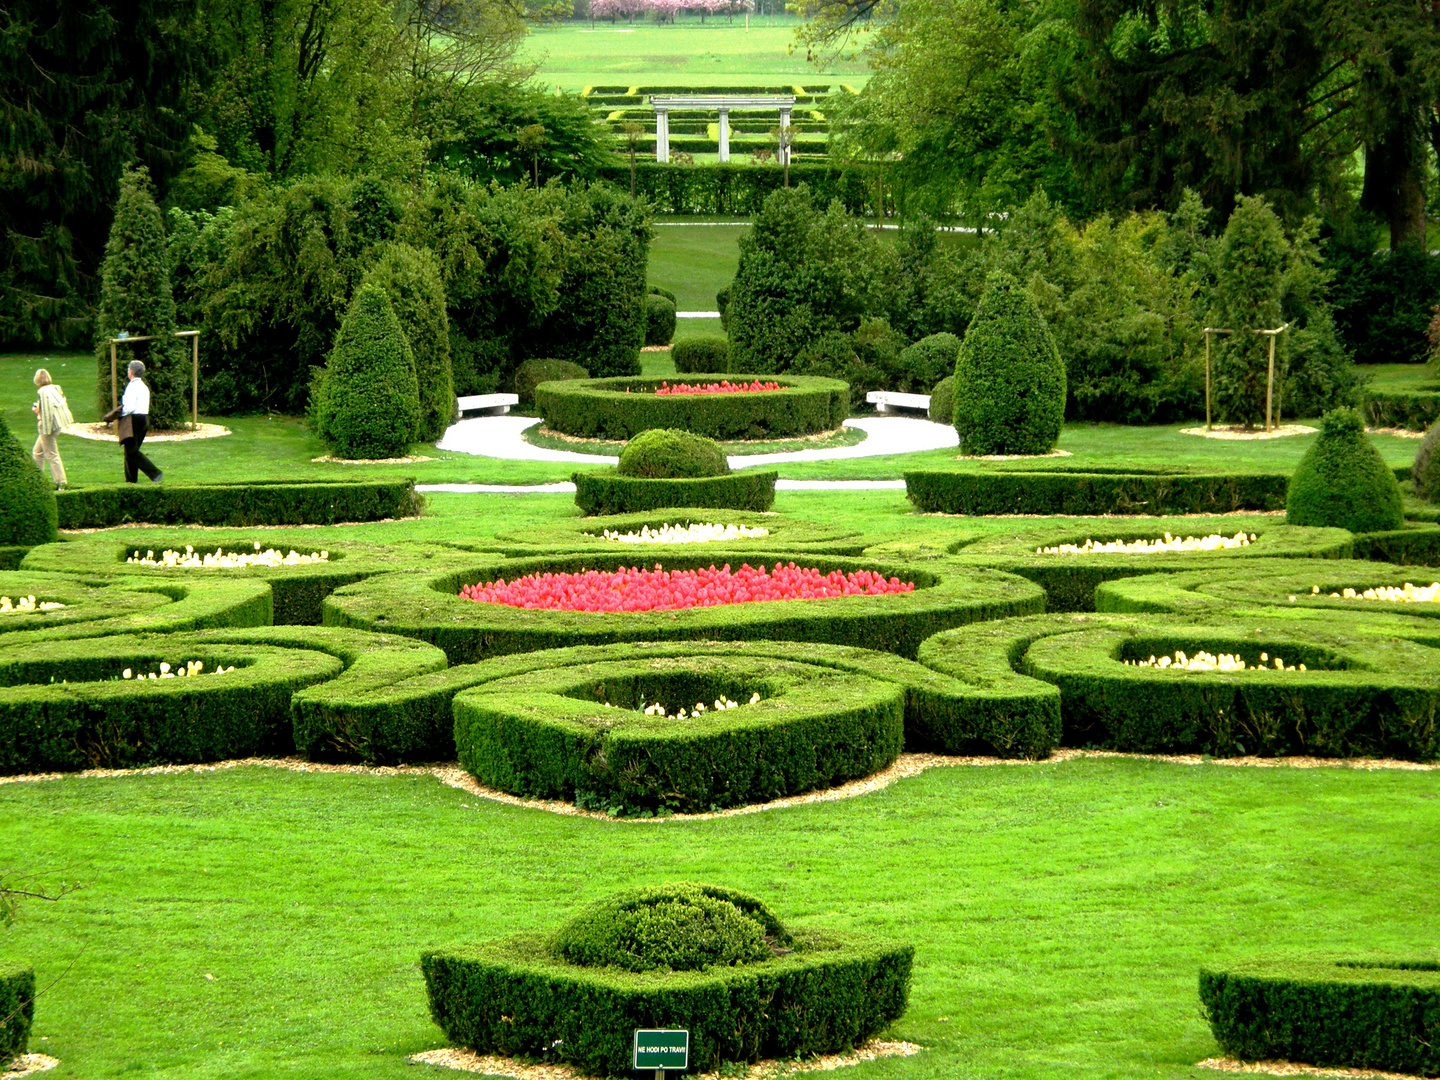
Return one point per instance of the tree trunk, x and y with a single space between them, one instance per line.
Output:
1395 182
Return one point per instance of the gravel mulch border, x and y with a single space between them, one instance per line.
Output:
1290 1068
103 433
331 459
28 1065
1397 432
1013 457
1282 432
469 1061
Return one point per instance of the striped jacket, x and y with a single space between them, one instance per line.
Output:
54 410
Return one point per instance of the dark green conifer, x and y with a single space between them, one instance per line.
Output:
411 279
369 406
27 499
1343 482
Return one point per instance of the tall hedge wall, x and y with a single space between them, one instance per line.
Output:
740 189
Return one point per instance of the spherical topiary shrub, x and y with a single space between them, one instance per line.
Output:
27 501
657 290
942 401
667 454
1009 378
928 361
1343 482
369 403
659 319
701 354
1426 472
532 373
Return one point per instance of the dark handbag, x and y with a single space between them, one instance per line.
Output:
125 428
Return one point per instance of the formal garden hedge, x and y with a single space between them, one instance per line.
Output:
740 188
605 491
66 704
1371 688
814 993
255 503
708 354
429 606
1414 410
297 590
95 607
1354 1012
1415 544
17 1009
588 534
1093 492
622 408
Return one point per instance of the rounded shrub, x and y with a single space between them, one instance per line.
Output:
411 279
1426 471
532 373
679 927
702 354
667 454
1343 482
1009 378
659 320
369 404
28 515
17 1006
942 401
928 361
657 290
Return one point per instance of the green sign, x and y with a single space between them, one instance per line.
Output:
662 1049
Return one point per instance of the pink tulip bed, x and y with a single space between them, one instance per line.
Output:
724 386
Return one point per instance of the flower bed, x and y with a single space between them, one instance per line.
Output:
27 605
632 589
220 559
724 386
1166 545
1401 594
1204 661
702 533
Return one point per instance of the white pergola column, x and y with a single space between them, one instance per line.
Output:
662 135
784 129
724 134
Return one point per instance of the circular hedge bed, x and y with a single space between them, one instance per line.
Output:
91 607
429 606
1369 689
622 408
581 732
708 960
298 590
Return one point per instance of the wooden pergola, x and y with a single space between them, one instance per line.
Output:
1272 409
194 336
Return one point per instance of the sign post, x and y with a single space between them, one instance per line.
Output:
661 1050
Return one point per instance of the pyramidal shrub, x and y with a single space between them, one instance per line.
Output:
1343 482
1009 389
411 279
1426 472
369 405
27 500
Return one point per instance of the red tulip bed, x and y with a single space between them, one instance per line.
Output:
634 589
725 386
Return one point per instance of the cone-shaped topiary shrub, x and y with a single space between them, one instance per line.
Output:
27 501
701 354
411 279
1009 378
667 454
135 297
674 927
532 373
659 319
942 401
1426 472
369 404
1343 482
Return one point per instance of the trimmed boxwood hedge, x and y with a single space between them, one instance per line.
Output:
574 732
832 991
95 607
428 606
255 503
298 590
1373 689
1069 581
1081 494
1414 410
605 491
622 408
12 556
17 1009
1356 1012
1416 544
709 355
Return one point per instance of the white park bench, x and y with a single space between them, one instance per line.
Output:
488 404
888 401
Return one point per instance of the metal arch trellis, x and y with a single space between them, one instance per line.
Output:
1272 408
194 336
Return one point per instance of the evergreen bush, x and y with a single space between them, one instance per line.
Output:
942 401
1250 273
926 363
656 290
28 515
1343 482
17 1009
135 297
411 279
1426 471
701 354
1009 390
369 404
668 454
532 373
659 319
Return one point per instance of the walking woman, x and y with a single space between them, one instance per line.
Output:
134 416
52 413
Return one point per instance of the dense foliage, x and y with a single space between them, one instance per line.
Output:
1426 471
27 499
710 353
659 319
366 402
665 454
1342 481
532 373
411 279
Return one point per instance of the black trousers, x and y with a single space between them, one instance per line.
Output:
135 461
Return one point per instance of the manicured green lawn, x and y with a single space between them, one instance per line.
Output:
695 262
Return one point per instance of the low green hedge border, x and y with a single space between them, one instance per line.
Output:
606 492
1083 494
834 991
413 720
622 408
256 503
1372 690
587 534
575 732
1380 1013
11 557
96 607
285 681
1413 410
298 591
428 606
17 1010
1418 544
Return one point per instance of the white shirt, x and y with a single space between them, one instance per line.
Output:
136 399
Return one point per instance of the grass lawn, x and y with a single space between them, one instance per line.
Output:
574 55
